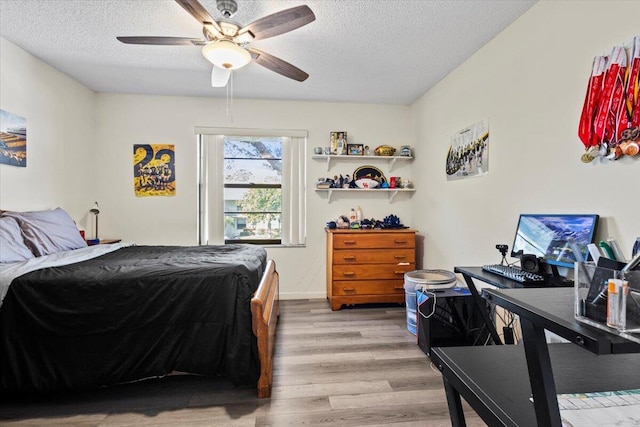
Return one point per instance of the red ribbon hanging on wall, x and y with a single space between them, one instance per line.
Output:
633 84
612 96
586 126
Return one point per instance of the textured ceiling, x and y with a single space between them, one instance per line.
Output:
369 51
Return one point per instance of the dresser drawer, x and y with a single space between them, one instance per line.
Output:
374 240
377 271
374 256
368 287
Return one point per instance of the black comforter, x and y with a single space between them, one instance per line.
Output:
137 312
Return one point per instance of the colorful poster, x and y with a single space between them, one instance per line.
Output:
13 139
469 152
154 172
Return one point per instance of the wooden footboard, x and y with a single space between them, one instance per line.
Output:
265 310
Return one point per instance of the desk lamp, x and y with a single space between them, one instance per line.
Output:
95 211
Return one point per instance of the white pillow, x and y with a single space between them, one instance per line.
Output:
12 246
48 232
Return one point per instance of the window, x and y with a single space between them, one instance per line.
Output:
251 186
252 189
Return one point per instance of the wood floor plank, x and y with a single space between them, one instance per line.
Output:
398 377
375 400
330 389
358 366
425 413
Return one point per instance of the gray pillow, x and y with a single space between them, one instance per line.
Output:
48 232
12 246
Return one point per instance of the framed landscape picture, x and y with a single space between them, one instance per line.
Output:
13 139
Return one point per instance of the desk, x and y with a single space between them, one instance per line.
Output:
470 273
493 379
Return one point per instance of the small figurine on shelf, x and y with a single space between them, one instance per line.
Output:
405 183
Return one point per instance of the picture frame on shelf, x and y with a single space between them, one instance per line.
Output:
355 149
339 142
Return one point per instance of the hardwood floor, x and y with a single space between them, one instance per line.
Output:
354 367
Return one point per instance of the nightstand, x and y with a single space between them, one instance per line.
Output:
104 242
109 241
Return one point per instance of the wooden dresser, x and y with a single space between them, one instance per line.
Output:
366 266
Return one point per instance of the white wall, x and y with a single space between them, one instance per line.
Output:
125 120
530 82
60 136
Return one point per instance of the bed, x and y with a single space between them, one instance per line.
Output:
74 317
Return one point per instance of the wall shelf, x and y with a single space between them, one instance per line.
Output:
392 192
330 157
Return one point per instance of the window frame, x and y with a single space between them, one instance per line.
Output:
293 185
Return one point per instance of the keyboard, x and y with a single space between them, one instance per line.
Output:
514 273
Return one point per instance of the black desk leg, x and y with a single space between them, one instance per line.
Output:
455 405
482 306
543 386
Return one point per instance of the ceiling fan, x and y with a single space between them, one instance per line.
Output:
225 42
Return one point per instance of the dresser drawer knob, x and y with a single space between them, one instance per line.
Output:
399 272
349 273
400 242
348 257
399 256
349 289
349 242
398 288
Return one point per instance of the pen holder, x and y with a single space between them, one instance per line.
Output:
608 299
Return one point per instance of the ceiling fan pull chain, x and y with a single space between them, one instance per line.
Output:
230 98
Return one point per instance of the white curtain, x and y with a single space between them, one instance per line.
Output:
211 190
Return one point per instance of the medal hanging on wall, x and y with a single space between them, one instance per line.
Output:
630 135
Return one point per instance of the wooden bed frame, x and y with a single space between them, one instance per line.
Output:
265 309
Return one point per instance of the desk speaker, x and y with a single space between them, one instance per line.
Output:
530 263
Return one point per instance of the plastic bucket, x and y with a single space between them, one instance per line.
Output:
411 304
420 279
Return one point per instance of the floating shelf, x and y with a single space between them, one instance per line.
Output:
392 192
391 159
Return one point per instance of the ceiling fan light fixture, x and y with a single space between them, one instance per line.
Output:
226 54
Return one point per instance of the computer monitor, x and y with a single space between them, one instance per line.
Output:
547 237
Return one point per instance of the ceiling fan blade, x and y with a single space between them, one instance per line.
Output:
198 11
278 65
220 76
165 41
280 22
